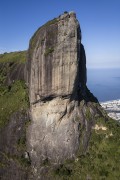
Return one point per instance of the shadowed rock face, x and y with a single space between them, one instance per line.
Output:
13 71
54 58
10 153
56 74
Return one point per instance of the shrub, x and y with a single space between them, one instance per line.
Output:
13 100
49 51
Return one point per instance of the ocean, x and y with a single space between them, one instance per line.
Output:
104 83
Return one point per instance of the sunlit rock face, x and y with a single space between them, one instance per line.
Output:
56 76
54 59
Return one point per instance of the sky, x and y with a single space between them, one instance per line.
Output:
99 22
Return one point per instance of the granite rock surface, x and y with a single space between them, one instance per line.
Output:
54 59
62 111
56 76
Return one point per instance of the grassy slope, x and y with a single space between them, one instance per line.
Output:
12 100
101 161
18 57
15 97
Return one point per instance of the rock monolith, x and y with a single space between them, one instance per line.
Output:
56 76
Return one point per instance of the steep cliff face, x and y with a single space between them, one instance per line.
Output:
12 67
69 135
57 85
54 58
14 161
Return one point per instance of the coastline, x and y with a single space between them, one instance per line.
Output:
112 108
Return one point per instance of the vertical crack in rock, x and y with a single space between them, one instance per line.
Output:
56 76
53 59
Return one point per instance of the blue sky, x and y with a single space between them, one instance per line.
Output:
99 21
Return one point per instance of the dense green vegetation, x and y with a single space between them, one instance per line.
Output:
12 99
101 161
18 57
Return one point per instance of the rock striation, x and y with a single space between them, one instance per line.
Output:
55 54
12 161
13 72
59 108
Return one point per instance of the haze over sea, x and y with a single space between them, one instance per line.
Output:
104 83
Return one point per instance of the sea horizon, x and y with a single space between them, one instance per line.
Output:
104 83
